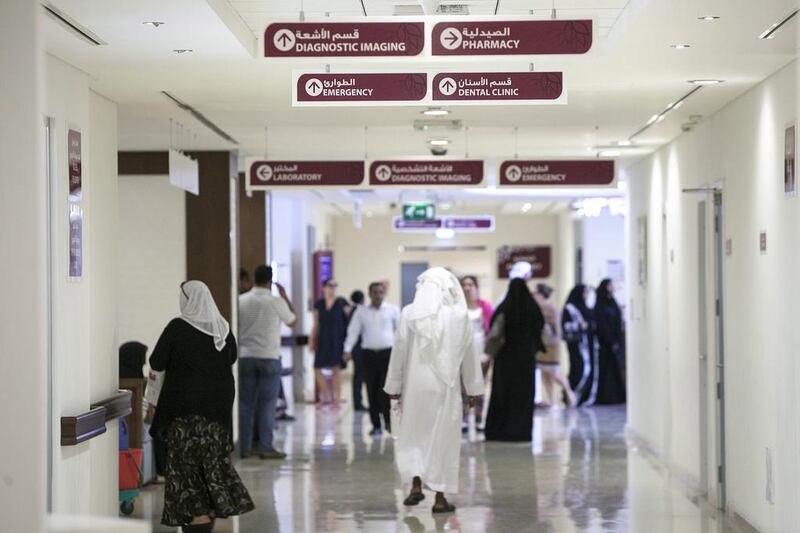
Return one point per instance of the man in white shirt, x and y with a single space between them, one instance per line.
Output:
376 324
260 317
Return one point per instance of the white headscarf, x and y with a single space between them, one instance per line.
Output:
439 311
199 309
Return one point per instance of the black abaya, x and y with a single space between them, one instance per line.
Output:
611 383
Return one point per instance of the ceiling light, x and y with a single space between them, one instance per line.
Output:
680 46
769 33
709 18
436 112
653 119
610 153
526 207
445 233
439 142
182 50
706 82
624 142
153 23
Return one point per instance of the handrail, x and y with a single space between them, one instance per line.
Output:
80 428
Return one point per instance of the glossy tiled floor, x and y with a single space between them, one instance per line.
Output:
578 475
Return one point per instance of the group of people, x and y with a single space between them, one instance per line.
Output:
431 359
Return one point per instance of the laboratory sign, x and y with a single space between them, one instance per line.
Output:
458 173
498 86
359 88
512 37
590 173
343 39
268 174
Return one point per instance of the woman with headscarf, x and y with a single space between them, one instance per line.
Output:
193 424
611 341
432 354
576 327
519 322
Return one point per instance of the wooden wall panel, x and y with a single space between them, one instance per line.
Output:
252 228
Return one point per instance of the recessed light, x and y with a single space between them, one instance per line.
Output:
436 112
153 23
445 233
653 119
439 142
624 142
610 153
769 33
709 18
526 207
680 46
183 50
706 82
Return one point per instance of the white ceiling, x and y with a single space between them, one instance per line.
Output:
631 73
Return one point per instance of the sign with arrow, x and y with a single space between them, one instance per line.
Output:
511 37
427 172
393 88
500 87
419 212
344 39
587 173
266 175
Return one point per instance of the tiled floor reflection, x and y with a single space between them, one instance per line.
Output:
578 475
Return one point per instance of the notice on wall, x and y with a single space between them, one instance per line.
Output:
75 171
433 173
264 175
594 173
322 270
397 88
344 39
75 241
539 258
512 37
500 87
789 171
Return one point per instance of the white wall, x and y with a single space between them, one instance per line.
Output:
603 241
84 336
742 145
152 256
23 283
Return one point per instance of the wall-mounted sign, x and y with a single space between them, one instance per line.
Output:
75 171
75 241
343 39
322 271
528 37
263 175
498 86
549 173
419 211
538 256
359 88
461 224
458 173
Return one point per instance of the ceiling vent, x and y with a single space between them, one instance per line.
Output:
452 9
429 125
73 26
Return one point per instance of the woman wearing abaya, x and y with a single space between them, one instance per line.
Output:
520 322
611 355
576 327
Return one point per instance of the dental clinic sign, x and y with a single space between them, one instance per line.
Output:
344 39
511 37
588 173
498 86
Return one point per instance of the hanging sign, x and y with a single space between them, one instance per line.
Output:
526 37
75 171
498 86
424 211
550 173
462 224
458 173
263 175
326 89
539 258
343 39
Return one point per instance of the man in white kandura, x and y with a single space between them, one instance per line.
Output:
433 350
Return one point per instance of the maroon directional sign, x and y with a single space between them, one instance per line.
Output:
538 256
426 173
513 37
360 88
343 39
548 173
269 174
497 86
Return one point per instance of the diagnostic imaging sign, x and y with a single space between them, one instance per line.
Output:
344 39
511 37
500 87
458 173
589 173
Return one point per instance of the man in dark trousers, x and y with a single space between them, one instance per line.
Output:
357 299
376 325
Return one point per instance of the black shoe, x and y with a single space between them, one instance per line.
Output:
446 508
413 499
376 432
360 408
287 417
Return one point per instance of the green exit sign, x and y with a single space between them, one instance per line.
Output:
418 212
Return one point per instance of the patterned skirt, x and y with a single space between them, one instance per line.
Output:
200 479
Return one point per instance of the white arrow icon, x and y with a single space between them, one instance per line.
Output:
283 40
383 172
447 86
451 38
264 172
314 87
513 173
